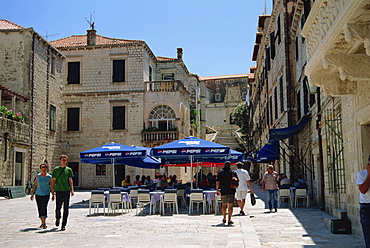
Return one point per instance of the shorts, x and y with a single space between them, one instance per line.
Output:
228 198
241 194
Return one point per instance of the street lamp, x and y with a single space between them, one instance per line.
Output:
68 146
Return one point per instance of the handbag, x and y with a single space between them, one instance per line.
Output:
253 199
234 183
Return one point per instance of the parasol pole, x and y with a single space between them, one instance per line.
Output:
191 171
114 179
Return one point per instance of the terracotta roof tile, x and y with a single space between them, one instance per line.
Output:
249 75
81 41
5 24
165 59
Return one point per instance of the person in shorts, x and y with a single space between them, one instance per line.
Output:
242 190
227 194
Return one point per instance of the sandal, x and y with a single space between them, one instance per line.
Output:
43 226
230 223
224 221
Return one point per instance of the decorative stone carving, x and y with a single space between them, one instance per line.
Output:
333 85
360 32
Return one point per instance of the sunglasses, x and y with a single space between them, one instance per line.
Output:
43 166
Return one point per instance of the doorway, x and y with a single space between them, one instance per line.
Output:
119 174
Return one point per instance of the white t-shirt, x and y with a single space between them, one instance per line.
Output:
243 176
361 177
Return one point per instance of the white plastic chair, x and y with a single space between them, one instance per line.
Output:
170 198
218 202
96 198
181 196
285 194
301 194
134 195
143 198
197 197
115 199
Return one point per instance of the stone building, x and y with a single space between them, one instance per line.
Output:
30 83
337 49
117 90
320 64
221 96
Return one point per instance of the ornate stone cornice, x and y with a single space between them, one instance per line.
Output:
337 36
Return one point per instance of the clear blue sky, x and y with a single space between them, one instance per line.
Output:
217 35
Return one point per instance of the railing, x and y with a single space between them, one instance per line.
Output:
160 135
20 132
167 86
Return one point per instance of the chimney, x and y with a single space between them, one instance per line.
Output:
91 37
179 53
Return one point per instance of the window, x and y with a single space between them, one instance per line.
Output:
101 169
52 123
299 104
305 96
118 70
218 97
272 44
296 49
168 76
276 103
244 80
150 73
281 94
52 65
278 31
73 119
217 82
231 81
162 117
119 118
18 169
73 73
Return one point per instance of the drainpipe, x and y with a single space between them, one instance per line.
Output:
321 202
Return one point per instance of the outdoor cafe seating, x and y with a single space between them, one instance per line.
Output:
197 197
170 198
96 198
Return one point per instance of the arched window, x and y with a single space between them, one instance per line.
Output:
162 117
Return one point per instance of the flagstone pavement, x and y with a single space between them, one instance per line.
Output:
289 227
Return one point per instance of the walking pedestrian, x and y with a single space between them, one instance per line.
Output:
242 190
227 194
62 186
363 183
41 188
270 185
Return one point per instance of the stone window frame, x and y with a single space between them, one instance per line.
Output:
72 60
73 105
119 103
114 57
52 117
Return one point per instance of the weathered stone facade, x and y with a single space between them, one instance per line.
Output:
31 84
325 47
149 84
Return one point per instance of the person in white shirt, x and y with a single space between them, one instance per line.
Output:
242 190
363 183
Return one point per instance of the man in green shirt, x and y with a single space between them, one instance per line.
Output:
62 186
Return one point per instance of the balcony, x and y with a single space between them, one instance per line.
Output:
19 132
155 138
167 86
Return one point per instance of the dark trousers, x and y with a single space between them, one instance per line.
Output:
42 205
365 222
62 198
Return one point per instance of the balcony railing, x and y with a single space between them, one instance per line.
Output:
166 86
20 132
159 135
